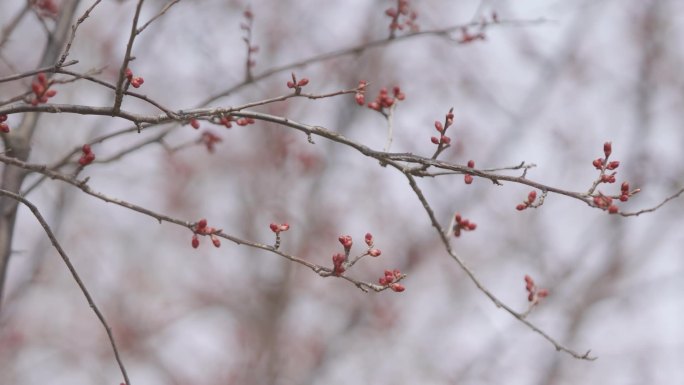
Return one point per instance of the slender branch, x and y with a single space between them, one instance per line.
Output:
461 263
158 15
74 27
52 68
127 58
74 274
83 186
652 209
7 31
358 49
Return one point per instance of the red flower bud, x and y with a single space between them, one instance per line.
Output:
274 227
360 99
607 148
613 209
374 252
397 287
598 163
201 224
471 163
531 196
613 165
194 123
37 88
434 140
195 241
302 82
369 239
468 179
520 207
438 126
215 240
542 293
4 127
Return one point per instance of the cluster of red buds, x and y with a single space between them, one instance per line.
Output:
87 155
605 202
391 279
604 166
384 100
41 90
201 228
468 178
444 140
462 224
297 84
341 262
402 17
531 197
135 81
534 294
209 139
4 127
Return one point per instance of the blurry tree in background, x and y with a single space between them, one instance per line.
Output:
309 192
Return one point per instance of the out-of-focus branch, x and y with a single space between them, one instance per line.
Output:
74 27
17 144
360 48
74 274
158 15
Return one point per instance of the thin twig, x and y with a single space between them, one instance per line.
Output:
461 263
652 209
127 58
52 68
158 15
73 33
74 274
358 49
83 186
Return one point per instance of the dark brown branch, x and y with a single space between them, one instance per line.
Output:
74 274
127 58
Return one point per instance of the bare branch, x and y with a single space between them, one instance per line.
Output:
127 58
74 274
74 27
158 15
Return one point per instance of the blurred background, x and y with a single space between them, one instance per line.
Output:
549 93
